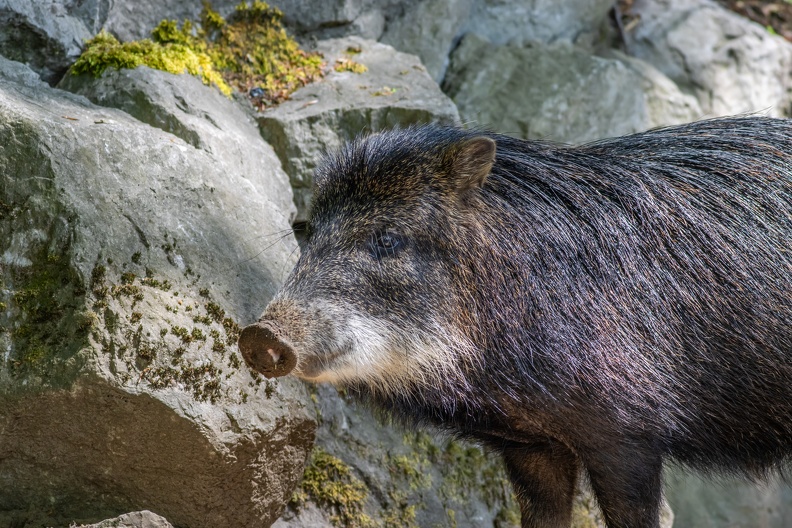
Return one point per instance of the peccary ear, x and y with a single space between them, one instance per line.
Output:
472 161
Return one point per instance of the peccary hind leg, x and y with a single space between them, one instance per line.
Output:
544 477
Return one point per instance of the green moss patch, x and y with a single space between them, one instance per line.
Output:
6 210
190 352
46 319
329 482
250 51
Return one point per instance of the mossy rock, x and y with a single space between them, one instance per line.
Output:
250 51
122 276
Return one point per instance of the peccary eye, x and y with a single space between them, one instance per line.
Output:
385 245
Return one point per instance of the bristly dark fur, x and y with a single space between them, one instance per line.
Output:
631 299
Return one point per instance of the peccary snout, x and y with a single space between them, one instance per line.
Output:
265 352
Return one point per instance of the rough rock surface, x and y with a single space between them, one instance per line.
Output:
365 18
559 92
202 117
395 91
48 35
141 519
134 19
412 479
126 257
726 502
429 30
731 65
503 21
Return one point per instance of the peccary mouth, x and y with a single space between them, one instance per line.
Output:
266 350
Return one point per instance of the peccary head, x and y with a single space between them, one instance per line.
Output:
381 294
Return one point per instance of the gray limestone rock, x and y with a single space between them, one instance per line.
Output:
431 28
201 116
665 103
504 21
559 92
333 19
731 65
395 91
734 503
134 19
141 519
127 256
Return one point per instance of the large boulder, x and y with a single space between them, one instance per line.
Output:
127 256
365 18
394 91
731 65
559 92
134 19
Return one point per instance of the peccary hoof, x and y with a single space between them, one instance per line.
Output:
265 352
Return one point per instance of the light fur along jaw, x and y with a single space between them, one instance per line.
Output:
388 360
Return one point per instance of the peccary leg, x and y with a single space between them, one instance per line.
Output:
628 487
544 477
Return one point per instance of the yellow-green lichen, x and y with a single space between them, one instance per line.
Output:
410 477
345 64
401 515
384 91
586 513
203 380
250 52
329 482
154 283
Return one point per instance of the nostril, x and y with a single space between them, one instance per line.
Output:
275 354
265 352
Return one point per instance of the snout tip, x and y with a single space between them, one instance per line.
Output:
264 352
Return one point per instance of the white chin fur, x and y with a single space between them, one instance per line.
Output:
387 360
